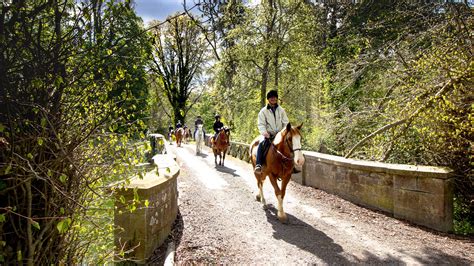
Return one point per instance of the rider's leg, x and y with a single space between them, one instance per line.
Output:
259 160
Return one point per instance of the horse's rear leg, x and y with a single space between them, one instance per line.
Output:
280 195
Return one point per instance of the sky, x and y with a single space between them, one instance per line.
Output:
159 9
149 10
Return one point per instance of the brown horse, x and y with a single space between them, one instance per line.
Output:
284 153
179 134
187 135
220 146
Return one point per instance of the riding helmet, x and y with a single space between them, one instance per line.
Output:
217 116
272 93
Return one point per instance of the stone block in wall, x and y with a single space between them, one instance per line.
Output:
434 185
376 197
405 182
428 209
319 175
341 175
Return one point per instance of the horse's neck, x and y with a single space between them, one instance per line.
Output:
222 138
283 147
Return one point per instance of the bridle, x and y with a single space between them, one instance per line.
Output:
283 156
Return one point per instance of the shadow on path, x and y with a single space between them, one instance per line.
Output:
306 237
202 155
227 170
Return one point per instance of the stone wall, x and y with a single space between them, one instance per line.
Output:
147 227
419 194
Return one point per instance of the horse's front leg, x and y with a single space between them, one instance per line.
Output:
223 157
279 195
260 196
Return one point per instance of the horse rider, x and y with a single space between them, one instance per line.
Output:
217 126
178 125
271 120
197 122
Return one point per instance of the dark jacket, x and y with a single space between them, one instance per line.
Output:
217 125
198 122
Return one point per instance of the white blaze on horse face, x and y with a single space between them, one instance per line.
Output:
298 156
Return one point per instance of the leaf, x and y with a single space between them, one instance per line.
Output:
136 198
2 218
43 122
9 167
58 81
147 203
30 156
63 178
19 256
63 225
2 127
35 224
40 141
109 52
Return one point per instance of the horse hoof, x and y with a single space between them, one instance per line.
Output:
265 206
283 219
257 197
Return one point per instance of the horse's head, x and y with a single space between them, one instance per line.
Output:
224 134
292 138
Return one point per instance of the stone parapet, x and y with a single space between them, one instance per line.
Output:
419 194
144 229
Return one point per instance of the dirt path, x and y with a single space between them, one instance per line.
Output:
222 223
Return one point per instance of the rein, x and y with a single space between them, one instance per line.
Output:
283 156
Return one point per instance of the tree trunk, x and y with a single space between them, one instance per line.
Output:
263 88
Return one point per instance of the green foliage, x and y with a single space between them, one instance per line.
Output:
463 222
73 101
